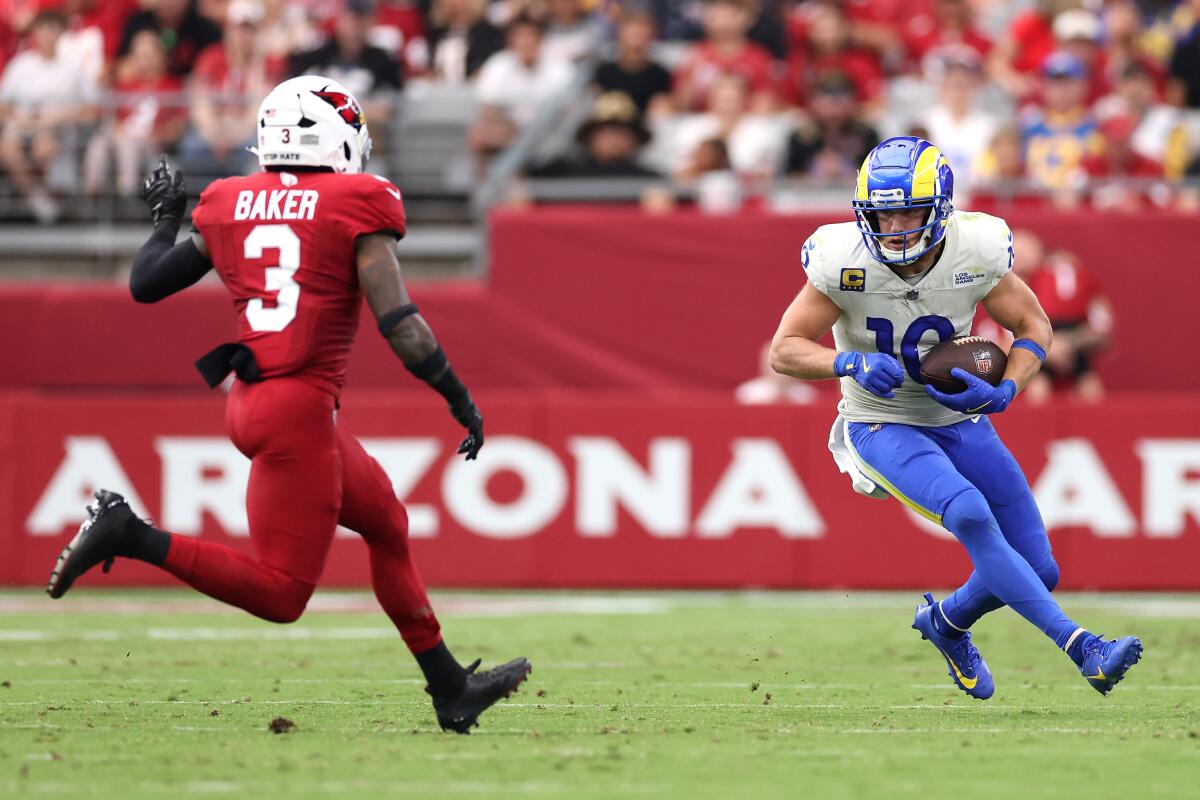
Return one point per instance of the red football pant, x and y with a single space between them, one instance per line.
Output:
307 475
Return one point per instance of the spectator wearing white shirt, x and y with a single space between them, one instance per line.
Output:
44 96
514 84
957 124
756 143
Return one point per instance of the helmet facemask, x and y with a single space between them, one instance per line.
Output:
868 223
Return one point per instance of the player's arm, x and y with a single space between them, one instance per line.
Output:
161 268
1013 304
796 351
409 335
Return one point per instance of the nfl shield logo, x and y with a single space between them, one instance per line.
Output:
983 361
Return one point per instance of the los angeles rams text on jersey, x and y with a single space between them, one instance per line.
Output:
882 312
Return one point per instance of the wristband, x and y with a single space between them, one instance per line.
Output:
450 387
430 366
1031 346
388 321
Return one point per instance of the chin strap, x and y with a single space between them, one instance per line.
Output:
895 256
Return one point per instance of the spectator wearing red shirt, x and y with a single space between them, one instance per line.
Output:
828 48
1118 177
725 50
949 25
1080 314
149 118
400 29
230 79
876 25
1018 55
8 42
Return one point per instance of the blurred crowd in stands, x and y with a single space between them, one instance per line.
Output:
1034 101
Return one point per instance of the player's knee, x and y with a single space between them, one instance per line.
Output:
968 515
290 601
387 528
1048 572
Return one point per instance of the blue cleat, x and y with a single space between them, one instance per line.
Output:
1105 663
967 667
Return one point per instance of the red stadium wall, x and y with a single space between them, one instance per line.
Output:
588 299
683 490
656 319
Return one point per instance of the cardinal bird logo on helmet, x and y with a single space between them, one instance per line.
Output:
345 106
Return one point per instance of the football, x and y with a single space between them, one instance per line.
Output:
975 354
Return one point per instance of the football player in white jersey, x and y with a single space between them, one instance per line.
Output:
904 276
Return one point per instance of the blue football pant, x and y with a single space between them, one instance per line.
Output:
963 477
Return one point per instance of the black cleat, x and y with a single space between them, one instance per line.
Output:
101 538
483 690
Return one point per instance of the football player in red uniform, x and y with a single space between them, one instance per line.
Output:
298 245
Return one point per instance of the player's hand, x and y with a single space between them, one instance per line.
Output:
466 413
165 192
878 373
980 396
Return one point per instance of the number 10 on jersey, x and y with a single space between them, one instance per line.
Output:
885 339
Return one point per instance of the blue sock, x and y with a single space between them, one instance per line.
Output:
942 626
1075 648
1002 569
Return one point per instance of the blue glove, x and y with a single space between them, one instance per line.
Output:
980 397
878 373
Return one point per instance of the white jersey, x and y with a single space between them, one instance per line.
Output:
881 312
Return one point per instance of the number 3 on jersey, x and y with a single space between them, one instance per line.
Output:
885 340
280 278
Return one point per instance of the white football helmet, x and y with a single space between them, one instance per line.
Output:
313 122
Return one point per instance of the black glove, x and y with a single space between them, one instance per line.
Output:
467 415
165 193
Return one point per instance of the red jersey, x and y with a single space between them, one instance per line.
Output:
1034 37
704 64
1065 291
284 244
860 66
923 35
1138 166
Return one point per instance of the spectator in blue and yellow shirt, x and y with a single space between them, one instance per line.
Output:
1059 133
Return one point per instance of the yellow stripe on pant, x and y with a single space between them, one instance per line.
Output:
896 493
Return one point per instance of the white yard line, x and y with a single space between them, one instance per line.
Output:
573 602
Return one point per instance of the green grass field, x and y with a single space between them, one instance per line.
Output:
157 694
